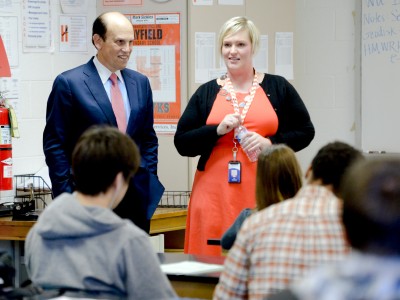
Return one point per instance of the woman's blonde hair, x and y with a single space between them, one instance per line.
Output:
236 24
279 175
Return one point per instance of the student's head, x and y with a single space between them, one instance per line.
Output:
101 153
235 25
331 162
279 175
113 37
371 206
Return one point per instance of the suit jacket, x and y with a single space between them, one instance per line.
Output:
77 101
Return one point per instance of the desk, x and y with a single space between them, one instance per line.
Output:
164 220
168 219
194 286
14 230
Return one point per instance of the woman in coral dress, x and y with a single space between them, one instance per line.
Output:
266 105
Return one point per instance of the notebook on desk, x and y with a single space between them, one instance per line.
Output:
190 268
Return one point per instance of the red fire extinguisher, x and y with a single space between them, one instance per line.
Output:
6 163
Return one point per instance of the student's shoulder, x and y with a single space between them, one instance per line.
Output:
246 212
273 211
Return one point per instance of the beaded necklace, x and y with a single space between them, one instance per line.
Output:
248 99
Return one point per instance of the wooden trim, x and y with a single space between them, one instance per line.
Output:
168 219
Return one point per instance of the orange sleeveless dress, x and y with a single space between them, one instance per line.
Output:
215 203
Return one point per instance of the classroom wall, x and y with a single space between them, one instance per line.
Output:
327 70
325 76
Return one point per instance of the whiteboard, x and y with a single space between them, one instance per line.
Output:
380 75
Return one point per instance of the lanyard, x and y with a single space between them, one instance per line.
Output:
248 99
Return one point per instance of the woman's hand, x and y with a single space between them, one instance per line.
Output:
253 141
229 123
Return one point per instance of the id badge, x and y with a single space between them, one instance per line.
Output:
234 172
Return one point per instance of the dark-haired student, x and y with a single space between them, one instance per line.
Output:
280 243
80 245
371 217
278 178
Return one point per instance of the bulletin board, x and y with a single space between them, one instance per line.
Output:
157 54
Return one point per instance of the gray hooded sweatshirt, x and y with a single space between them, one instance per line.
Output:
91 249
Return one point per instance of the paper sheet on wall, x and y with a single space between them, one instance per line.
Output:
284 54
204 55
190 267
8 6
122 2
36 26
74 6
163 71
73 34
11 87
231 2
202 2
260 60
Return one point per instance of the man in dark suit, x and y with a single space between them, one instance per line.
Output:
81 97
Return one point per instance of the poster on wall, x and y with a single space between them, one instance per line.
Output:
73 33
36 26
156 53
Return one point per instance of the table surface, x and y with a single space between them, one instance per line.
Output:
198 286
210 277
164 220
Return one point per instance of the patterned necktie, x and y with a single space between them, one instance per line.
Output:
117 103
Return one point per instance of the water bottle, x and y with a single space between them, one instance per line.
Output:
239 134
